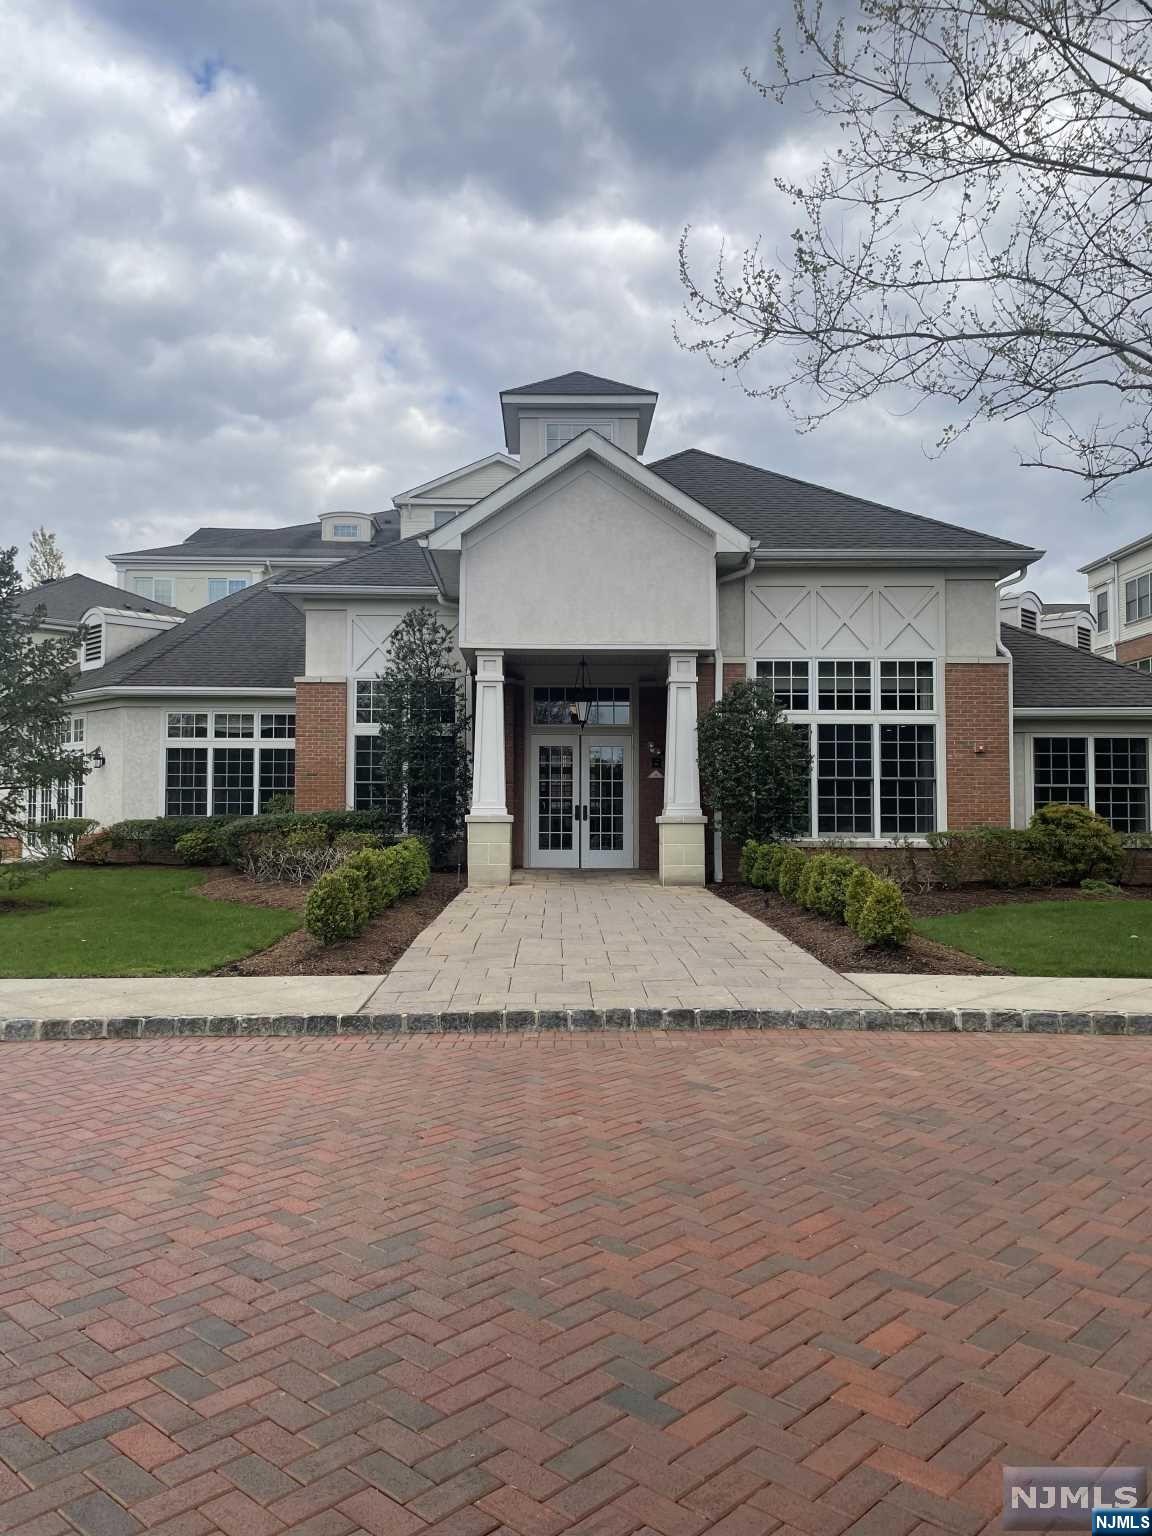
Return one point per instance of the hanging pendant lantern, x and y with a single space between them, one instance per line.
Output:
581 706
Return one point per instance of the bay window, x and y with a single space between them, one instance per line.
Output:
219 777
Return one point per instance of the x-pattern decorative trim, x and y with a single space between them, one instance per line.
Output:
784 618
920 601
857 601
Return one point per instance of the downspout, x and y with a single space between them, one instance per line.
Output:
1002 650
743 572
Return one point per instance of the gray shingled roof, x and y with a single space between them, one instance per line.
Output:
1047 674
783 513
253 639
577 383
1065 608
389 565
67 601
292 542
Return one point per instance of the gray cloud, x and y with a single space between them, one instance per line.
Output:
263 259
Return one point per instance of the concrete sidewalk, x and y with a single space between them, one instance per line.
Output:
1078 994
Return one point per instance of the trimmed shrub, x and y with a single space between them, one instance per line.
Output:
749 854
239 835
767 867
415 866
884 917
353 842
335 908
63 836
857 892
809 881
200 847
278 805
382 875
160 834
789 871
1076 844
96 849
830 891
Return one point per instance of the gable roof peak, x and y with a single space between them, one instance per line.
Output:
577 383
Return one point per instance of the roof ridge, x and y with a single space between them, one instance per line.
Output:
882 506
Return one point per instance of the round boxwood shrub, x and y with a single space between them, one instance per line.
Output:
748 857
857 892
382 875
789 871
810 877
1076 844
830 891
415 866
337 907
884 917
200 847
768 865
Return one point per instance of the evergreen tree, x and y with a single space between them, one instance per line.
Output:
754 766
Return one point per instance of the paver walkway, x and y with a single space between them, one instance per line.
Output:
604 943
568 1286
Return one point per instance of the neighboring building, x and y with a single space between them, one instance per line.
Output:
1120 593
1070 623
879 629
59 607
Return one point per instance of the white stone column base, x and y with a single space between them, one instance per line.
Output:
681 849
489 849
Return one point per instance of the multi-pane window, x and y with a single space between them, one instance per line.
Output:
1102 611
1060 770
186 782
907 685
1120 765
72 731
907 780
278 727
224 586
222 779
789 680
844 779
345 530
844 684
1143 665
185 723
370 792
557 433
1138 598
159 588
608 706
230 725
369 702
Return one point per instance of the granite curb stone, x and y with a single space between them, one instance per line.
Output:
543 1020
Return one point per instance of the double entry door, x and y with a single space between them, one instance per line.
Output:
581 801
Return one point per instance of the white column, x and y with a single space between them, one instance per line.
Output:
681 827
488 736
489 824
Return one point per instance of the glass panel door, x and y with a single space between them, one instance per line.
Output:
555 763
606 826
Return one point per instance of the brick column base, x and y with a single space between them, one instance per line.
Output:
321 746
978 723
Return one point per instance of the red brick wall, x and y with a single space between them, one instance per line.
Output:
321 746
1134 650
978 722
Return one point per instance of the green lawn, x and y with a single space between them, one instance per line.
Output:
1053 938
128 921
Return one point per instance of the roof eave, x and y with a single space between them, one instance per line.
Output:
1060 711
152 690
900 555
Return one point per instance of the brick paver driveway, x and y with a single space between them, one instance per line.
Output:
740 1284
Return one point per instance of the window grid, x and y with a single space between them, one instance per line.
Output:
1102 611
345 530
184 724
609 705
224 586
1138 598
233 725
789 680
907 780
186 782
277 773
1143 665
278 727
907 685
844 779
369 702
1060 770
1120 773
369 792
556 794
844 685
557 433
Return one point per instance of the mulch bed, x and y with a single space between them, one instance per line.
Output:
839 947
372 953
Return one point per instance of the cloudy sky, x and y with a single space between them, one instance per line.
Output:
267 258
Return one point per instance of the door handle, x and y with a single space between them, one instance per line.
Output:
585 809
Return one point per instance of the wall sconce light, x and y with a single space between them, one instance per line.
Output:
98 759
656 753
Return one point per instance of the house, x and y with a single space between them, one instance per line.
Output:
1120 591
1072 623
58 608
600 602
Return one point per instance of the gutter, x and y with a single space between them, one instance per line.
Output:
898 556
114 690
296 589
1093 712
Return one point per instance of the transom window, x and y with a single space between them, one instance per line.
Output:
184 724
907 685
557 433
1107 773
609 706
789 680
345 530
278 726
233 725
844 684
224 586
369 702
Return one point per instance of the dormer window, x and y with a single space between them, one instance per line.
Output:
345 530
557 433
345 527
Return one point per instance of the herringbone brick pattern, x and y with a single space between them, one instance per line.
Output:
584 1284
